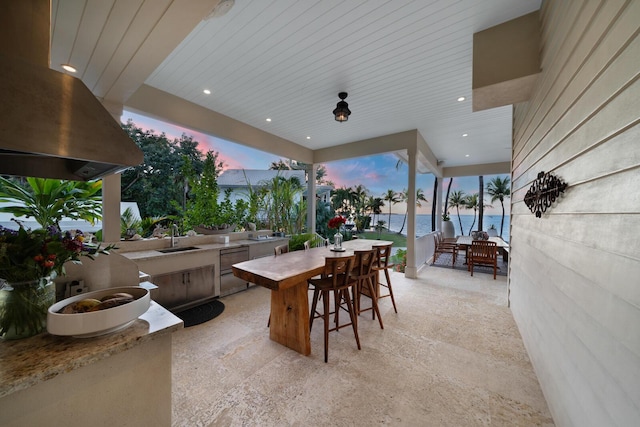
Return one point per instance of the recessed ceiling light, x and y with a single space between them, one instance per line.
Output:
462 98
466 155
69 68
465 135
308 137
268 119
207 92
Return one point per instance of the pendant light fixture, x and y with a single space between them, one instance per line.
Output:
342 111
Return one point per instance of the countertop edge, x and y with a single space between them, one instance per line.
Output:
143 254
25 363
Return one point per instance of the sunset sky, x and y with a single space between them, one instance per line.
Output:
377 173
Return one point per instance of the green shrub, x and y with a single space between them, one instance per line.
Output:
400 260
297 241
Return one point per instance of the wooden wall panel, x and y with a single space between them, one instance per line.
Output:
550 125
575 273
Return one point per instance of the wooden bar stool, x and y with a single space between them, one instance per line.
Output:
364 274
337 280
382 264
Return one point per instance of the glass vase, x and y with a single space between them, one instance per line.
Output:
337 241
23 307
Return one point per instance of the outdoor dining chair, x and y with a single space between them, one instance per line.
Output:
444 247
483 252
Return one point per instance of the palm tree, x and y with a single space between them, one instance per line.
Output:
391 197
498 189
480 198
433 204
404 198
376 207
457 200
471 202
358 197
280 165
446 199
341 199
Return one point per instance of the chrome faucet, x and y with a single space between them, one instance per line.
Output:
174 231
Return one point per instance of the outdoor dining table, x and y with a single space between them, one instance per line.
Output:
286 276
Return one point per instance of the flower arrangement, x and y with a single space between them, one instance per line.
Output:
27 254
336 221
29 261
479 235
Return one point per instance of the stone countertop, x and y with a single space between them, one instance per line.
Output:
27 362
155 253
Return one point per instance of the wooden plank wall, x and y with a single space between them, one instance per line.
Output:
575 273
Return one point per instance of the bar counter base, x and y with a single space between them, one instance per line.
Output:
290 318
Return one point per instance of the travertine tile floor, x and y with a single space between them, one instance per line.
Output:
452 356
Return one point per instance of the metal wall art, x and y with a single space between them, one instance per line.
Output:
543 192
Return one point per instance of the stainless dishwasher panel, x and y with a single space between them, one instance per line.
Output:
230 284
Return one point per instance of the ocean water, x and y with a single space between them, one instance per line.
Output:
423 223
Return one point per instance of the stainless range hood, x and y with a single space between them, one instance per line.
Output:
51 125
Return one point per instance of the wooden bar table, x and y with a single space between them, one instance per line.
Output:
286 275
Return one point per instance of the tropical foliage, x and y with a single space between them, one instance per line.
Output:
399 259
282 210
47 201
203 206
321 170
143 227
159 185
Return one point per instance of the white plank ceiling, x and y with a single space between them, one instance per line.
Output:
404 63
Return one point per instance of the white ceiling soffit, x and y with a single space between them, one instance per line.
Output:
403 63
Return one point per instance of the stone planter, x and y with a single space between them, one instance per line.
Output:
448 229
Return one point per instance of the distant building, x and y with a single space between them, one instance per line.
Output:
239 181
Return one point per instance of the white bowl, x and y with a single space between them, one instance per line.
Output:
100 322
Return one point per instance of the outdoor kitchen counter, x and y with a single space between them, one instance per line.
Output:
146 254
120 367
29 361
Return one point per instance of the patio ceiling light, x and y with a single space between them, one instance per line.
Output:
342 111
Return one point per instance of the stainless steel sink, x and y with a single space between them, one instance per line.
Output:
178 249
